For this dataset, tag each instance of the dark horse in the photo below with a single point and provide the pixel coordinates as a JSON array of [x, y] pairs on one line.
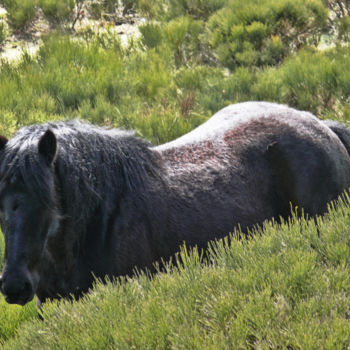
[[79, 201]]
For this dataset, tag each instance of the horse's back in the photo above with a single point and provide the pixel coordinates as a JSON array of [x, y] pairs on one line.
[[308, 163], [231, 118]]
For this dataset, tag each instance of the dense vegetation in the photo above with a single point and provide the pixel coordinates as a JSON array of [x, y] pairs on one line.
[[289, 286], [288, 289]]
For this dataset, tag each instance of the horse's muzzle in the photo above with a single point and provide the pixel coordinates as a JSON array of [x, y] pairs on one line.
[[17, 289]]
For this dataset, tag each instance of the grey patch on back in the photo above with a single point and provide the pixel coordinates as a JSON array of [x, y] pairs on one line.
[[232, 117]]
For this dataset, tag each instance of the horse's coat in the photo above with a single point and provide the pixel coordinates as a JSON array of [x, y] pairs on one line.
[[78, 201]]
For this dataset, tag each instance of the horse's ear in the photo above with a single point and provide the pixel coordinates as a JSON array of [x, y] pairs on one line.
[[48, 146], [3, 142]]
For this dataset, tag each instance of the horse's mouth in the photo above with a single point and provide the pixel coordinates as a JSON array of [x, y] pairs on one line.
[[19, 300]]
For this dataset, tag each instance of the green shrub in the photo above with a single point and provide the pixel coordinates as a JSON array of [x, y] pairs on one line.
[[107, 84], [20, 13], [105, 8], [344, 29], [63, 75], [153, 9], [105, 39], [109, 6], [3, 31], [197, 9], [264, 32], [160, 125], [210, 89], [312, 80], [237, 87], [181, 36], [151, 34], [149, 75], [285, 288], [57, 11], [103, 84], [171, 9]]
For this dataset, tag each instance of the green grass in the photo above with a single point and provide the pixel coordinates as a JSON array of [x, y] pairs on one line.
[[286, 288], [14, 316], [100, 82], [146, 89]]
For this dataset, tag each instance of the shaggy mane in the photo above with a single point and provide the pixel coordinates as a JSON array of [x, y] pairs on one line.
[[92, 163]]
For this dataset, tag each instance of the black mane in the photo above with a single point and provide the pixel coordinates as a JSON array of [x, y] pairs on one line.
[[93, 161]]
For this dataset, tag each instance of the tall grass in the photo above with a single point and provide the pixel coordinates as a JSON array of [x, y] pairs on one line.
[[20, 13], [107, 85], [152, 91], [288, 287]]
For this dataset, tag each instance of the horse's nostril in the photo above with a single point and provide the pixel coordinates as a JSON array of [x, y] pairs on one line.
[[27, 288]]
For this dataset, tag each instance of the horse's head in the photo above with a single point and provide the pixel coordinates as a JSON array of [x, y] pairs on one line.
[[26, 220]]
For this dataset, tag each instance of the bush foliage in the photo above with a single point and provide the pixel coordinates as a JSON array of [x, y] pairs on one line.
[[252, 33], [3, 31], [57, 11], [20, 13], [287, 288], [134, 89]]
